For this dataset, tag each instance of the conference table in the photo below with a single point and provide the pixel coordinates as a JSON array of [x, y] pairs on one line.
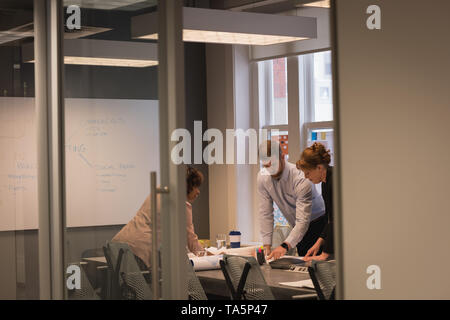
[[214, 284]]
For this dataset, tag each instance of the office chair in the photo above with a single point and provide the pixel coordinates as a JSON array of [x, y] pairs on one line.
[[244, 278], [127, 279], [86, 292], [93, 271], [323, 276], [195, 289]]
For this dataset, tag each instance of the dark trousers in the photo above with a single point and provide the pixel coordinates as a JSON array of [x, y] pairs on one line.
[[312, 234]]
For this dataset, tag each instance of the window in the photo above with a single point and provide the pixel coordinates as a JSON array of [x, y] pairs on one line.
[[278, 219], [274, 109], [315, 91], [315, 109], [279, 109], [273, 94], [282, 137], [323, 105], [324, 136]]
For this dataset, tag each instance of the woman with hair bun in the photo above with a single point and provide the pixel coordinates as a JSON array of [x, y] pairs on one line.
[[315, 164]]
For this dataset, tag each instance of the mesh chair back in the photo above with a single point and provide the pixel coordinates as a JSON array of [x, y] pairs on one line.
[[255, 286], [86, 292], [131, 281], [195, 289], [323, 276], [97, 279]]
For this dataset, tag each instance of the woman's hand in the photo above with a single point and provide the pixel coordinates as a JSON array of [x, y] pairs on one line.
[[315, 248], [322, 257]]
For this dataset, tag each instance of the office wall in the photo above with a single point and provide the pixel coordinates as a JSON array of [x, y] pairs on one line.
[[246, 210], [393, 131], [232, 192], [196, 110], [222, 196]]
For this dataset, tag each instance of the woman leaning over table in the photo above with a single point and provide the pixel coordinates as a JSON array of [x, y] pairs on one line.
[[315, 164], [138, 234]]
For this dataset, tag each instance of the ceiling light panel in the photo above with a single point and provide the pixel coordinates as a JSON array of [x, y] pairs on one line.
[[103, 53], [109, 62], [229, 37], [108, 4], [221, 26], [235, 38], [318, 4]]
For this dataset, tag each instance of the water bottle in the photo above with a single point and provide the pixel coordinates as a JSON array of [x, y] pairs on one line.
[[235, 239]]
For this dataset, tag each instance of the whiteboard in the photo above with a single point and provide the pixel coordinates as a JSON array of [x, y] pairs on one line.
[[111, 145], [18, 184]]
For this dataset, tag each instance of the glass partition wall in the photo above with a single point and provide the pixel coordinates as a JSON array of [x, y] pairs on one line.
[[116, 128], [111, 144], [19, 276], [85, 169]]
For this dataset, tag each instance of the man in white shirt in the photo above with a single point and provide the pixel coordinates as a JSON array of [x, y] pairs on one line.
[[296, 197]]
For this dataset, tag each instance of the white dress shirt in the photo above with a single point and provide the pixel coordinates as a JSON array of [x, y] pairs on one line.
[[297, 199]]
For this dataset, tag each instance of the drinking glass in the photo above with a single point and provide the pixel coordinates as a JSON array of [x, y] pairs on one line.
[[221, 240]]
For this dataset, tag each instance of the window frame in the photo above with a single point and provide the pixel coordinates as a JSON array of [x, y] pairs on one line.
[[307, 109], [300, 100]]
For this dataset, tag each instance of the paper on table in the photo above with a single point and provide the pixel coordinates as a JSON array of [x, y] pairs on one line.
[[244, 251], [252, 244], [206, 262], [215, 251], [191, 255], [293, 257], [299, 284]]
